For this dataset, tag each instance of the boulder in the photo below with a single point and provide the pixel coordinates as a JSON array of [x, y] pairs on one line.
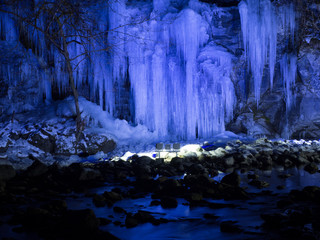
[[232, 179], [99, 200], [311, 168], [230, 227], [80, 223], [131, 222], [229, 161], [88, 174], [168, 202], [96, 143], [259, 184], [36, 169]]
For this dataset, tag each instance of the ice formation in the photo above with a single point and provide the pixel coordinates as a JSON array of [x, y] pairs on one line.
[[164, 53], [259, 30]]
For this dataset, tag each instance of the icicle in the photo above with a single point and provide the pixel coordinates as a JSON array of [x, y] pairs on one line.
[[8, 27], [288, 66], [116, 18], [287, 15], [216, 90], [259, 38], [189, 35]]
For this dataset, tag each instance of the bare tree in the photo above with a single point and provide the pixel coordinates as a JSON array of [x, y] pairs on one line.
[[65, 23]]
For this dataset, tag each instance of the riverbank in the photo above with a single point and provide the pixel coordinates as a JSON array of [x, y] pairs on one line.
[[260, 190]]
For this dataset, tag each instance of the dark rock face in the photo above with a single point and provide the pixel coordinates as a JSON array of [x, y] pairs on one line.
[[223, 3]]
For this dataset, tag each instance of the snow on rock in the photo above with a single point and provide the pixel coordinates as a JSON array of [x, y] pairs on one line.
[[102, 123], [49, 134]]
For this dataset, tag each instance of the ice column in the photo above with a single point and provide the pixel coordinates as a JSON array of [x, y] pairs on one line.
[[189, 35]]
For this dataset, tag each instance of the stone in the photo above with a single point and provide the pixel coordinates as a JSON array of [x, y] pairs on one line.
[[259, 184], [210, 216], [273, 220], [252, 176], [119, 210], [104, 221], [143, 160], [176, 161], [88, 174], [311, 168], [113, 196], [131, 222], [36, 169], [155, 203], [195, 197], [168, 202], [230, 227], [44, 142], [4, 145], [232, 179], [99, 200], [144, 217], [229, 161], [56, 206], [80, 223], [284, 203], [284, 176], [96, 143]]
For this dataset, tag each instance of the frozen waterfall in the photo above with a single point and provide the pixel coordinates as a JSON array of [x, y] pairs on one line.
[[180, 79], [166, 67]]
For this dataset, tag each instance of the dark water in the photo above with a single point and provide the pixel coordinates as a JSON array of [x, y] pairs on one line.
[[189, 222]]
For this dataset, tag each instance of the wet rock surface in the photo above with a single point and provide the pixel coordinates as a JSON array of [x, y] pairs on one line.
[[37, 200]]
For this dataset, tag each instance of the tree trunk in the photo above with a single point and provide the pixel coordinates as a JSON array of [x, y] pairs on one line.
[[66, 55]]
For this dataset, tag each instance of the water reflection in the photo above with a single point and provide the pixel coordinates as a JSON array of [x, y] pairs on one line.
[[189, 223]]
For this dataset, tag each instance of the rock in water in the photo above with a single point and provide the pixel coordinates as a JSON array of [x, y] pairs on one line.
[[232, 179], [229, 227], [311, 168], [169, 202], [36, 169]]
